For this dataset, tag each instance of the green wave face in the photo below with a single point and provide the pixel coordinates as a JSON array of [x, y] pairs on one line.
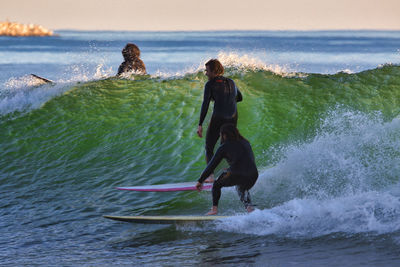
[[128, 132]]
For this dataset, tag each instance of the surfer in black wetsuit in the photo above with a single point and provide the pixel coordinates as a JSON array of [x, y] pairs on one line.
[[132, 61], [242, 171], [225, 94]]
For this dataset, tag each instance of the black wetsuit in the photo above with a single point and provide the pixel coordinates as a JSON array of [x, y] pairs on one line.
[[135, 64], [242, 170], [225, 94]]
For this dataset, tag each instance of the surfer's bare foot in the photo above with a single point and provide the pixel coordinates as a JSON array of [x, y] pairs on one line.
[[250, 209], [210, 179], [213, 211]]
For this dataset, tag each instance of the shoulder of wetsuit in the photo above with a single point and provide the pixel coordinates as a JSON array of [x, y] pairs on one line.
[[230, 81], [122, 68], [228, 143], [222, 148], [208, 83], [219, 79], [246, 144]]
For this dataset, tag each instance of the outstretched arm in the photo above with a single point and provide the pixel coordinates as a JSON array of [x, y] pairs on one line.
[[215, 160], [206, 103]]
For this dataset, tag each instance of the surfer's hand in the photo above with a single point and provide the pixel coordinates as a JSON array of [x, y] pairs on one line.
[[199, 186], [200, 131]]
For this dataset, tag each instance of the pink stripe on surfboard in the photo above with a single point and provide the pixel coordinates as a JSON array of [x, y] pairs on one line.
[[170, 189]]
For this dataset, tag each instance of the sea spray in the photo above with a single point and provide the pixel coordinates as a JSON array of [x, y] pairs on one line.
[[370, 212], [346, 179], [27, 93]]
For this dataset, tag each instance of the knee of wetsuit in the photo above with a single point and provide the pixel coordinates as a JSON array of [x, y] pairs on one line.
[[218, 183]]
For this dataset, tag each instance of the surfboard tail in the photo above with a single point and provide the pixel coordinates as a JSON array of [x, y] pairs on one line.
[[42, 79]]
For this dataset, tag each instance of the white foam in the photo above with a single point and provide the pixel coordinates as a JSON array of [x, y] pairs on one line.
[[20, 98], [27, 93], [352, 153], [308, 218], [233, 62], [247, 62], [345, 179]]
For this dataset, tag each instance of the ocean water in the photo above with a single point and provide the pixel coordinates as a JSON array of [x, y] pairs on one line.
[[321, 110]]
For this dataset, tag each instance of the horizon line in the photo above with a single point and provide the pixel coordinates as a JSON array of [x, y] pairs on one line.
[[231, 30]]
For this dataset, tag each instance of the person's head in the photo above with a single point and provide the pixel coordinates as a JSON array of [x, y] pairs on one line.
[[130, 51], [229, 132], [214, 68]]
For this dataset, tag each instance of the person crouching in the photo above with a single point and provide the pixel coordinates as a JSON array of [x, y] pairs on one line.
[[242, 171]]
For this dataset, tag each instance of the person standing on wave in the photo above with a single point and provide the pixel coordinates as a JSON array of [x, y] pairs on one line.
[[132, 61], [225, 94], [242, 171]]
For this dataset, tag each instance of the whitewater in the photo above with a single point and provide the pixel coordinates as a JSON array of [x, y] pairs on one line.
[[321, 110]]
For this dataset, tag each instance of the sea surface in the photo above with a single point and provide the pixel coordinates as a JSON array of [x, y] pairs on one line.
[[320, 108]]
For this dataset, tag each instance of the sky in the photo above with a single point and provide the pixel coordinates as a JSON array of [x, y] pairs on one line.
[[194, 15]]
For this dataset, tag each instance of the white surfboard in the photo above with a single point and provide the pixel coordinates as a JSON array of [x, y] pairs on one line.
[[165, 219], [188, 186]]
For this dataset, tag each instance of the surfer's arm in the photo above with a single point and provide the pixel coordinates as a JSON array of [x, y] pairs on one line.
[[121, 68], [206, 103], [216, 159], [239, 96]]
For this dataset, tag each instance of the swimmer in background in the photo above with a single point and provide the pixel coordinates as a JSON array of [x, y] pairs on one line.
[[132, 62]]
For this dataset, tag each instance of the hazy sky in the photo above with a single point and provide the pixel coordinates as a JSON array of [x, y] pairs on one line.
[[205, 14]]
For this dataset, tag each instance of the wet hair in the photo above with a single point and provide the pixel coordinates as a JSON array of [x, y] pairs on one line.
[[131, 51], [230, 132], [215, 66]]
